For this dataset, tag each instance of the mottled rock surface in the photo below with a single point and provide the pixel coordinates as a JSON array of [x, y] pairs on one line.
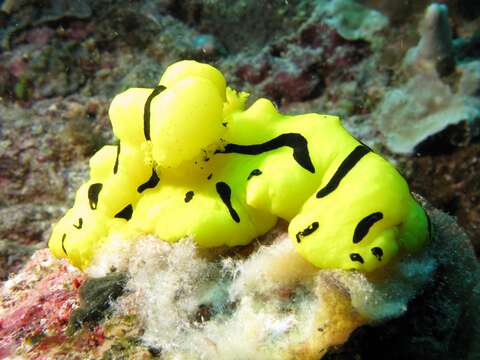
[[441, 322], [262, 300]]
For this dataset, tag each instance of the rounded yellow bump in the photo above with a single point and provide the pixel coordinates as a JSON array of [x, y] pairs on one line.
[[126, 115], [186, 118], [103, 162], [188, 68]]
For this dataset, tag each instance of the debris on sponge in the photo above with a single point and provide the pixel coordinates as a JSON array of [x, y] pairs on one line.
[[266, 301], [271, 304]]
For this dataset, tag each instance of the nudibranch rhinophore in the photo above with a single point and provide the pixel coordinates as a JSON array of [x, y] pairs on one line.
[[192, 161]]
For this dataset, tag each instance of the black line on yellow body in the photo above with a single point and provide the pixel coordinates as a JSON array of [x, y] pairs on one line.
[[115, 167], [377, 252], [364, 225], [225, 194], [356, 257], [429, 224], [63, 244], [189, 196], [307, 231], [80, 223], [146, 111], [150, 183], [205, 157], [125, 213], [347, 164], [361, 142], [255, 172], [209, 176], [296, 141], [93, 192]]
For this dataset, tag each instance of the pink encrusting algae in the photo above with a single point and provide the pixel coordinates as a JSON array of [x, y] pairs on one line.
[[37, 303]]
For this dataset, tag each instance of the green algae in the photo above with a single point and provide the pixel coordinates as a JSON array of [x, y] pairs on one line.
[[23, 89], [122, 348], [96, 296]]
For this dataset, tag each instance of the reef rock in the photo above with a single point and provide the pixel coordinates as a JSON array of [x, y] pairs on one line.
[[24, 14], [262, 301], [352, 20], [424, 106]]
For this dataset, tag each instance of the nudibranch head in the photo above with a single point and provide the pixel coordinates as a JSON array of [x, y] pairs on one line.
[[191, 161], [369, 231]]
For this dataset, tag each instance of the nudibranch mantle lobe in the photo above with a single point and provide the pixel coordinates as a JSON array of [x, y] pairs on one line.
[[193, 161]]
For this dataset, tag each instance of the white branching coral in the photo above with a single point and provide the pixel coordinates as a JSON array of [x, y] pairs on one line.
[[434, 52], [426, 104]]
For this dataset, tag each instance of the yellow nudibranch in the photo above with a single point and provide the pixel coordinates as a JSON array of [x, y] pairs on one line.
[[193, 162]]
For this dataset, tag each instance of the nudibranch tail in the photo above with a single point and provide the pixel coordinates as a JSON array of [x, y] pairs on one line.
[[192, 161]]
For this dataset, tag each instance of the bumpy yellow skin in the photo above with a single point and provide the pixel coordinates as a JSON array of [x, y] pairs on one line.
[[191, 161]]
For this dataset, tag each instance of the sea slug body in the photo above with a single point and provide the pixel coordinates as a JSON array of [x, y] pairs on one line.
[[193, 161]]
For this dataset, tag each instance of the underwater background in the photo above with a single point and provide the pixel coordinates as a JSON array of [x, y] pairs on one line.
[[404, 76]]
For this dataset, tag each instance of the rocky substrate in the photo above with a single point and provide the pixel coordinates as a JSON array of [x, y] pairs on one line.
[[147, 299]]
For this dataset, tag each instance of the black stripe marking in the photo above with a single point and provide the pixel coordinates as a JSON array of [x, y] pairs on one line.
[[115, 167], [361, 142], [356, 257], [307, 231], [429, 224], [225, 193], [146, 111], [205, 156], [189, 196], [377, 252], [125, 213], [150, 184], [362, 228], [209, 176], [80, 223], [296, 141], [63, 244], [93, 192], [255, 172], [347, 164]]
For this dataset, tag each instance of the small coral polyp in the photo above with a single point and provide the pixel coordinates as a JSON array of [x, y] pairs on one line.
[[192, 161]]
